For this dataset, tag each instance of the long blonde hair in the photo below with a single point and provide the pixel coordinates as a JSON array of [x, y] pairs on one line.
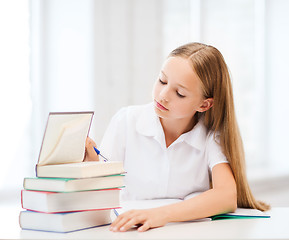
[[210, 66]]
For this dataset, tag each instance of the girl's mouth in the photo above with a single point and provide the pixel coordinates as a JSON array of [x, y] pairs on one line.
[[160, 106]]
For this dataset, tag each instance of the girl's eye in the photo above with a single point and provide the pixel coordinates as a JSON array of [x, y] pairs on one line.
[[162, 82], [180, 95]]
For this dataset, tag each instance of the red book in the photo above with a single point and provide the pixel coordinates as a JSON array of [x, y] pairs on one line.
[[55, 202]]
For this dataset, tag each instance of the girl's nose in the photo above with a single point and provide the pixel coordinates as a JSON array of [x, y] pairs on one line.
[[165, 94]]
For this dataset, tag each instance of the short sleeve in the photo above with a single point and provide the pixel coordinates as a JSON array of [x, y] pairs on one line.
[[113, 142], [214, 152]]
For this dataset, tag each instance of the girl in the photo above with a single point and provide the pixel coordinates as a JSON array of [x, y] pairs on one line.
[[186, 144]]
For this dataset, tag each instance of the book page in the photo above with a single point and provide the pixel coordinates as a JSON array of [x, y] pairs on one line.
[[64, 139], [248, 212]]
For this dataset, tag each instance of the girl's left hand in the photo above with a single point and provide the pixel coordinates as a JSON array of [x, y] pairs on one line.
[[144, 219]]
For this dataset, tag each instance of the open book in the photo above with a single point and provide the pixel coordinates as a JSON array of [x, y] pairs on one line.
[[63, 149], [64, 138]]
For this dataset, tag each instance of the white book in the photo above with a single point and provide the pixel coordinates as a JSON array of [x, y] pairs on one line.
[[63, 222], [80, 170], [53, 202]]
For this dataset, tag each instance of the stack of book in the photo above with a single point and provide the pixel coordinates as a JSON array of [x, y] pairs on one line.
[[68, 194]]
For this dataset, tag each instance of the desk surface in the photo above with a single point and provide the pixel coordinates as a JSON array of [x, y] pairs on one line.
[[276, 227]]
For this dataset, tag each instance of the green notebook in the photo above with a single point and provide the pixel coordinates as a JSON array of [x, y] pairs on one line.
[[241, 213]]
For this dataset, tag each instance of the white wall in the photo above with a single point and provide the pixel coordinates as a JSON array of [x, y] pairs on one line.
[[62, 60], [15, 102], [128, 55], [277, 64]]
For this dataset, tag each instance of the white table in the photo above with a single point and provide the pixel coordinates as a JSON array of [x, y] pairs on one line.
[[276, 227]]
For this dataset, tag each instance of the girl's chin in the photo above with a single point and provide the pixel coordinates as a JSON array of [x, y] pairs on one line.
[[161, 113]]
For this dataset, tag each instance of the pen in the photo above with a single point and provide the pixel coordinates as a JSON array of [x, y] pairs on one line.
[[98, 153], [116, 212]]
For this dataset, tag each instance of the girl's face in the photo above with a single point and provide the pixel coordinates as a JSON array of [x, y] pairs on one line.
[[177, 93]]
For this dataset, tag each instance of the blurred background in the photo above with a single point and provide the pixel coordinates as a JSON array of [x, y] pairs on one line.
[[101, 55]]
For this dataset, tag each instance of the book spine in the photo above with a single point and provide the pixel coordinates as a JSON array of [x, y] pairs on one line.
[[22, 198], [19, 220]]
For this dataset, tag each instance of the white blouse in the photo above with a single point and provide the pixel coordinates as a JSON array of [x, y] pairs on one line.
[[135, 136]]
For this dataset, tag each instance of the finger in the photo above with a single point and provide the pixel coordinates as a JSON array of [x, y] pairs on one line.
[[90, 150], [113, 224], [90, 142], [118, 223], [132, 222], [122, 219], [144, 227], [118, 220]]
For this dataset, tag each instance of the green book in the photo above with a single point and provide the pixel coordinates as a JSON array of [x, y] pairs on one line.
[[241, 213], [73, 184]]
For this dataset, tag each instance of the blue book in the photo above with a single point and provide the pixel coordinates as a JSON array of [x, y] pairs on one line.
[[63, 222]]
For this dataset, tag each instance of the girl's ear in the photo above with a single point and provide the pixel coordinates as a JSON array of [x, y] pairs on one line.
[[206, 105]]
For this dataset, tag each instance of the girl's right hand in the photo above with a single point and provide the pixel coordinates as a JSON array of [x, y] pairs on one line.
[[90, 154]]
